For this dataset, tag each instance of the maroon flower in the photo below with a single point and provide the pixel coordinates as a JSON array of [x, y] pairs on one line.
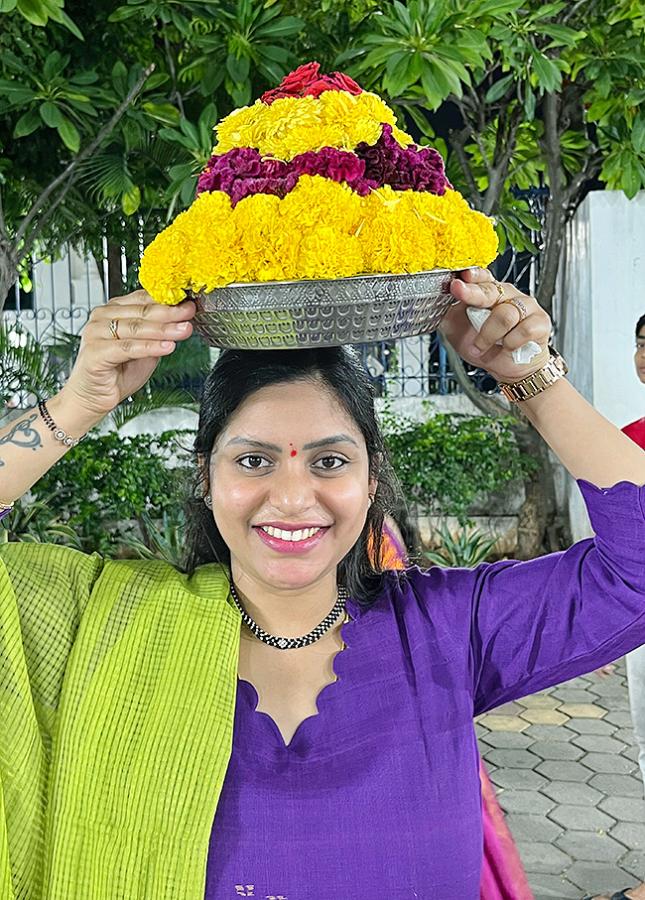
[[409, 168]]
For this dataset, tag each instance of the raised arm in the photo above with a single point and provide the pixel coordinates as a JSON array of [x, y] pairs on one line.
[[588, 445]]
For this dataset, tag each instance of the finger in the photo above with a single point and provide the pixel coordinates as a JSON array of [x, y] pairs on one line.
[[136, 327], [484, 293], [503, 318], [536, 327], [115, 353], [156, 312], [476, 275]]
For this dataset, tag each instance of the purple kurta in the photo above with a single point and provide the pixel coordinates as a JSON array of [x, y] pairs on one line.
[[378, 796]]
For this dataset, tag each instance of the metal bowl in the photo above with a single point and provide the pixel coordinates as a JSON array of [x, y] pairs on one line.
[[279, 315]]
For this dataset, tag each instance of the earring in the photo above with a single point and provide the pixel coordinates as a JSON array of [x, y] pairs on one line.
[[208, 500], [371, 496]]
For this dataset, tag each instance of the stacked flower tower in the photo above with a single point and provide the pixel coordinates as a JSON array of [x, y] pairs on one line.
[[315, 181]]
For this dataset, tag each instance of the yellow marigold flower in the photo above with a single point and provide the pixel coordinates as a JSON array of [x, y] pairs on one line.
[[294, 125], [321, 229]]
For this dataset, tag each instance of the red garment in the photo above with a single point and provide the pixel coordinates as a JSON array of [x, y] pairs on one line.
[[636, 431]]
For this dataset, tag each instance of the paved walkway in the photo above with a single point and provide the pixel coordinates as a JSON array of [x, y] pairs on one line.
[[564, 763]]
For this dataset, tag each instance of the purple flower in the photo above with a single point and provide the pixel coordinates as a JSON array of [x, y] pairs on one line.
[[404, 169]]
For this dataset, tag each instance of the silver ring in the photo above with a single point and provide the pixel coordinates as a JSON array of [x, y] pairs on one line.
[[519, 305], [114, 329]]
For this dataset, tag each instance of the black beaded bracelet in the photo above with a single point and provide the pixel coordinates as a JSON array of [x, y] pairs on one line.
[[58, 433]]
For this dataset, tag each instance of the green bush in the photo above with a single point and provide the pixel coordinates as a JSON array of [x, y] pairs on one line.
[[448, 461], [110, 479]]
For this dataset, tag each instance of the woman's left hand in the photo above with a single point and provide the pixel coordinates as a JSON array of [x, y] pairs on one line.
[[477, 287]]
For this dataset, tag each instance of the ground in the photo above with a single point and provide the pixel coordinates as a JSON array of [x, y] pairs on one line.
[[564, 764]]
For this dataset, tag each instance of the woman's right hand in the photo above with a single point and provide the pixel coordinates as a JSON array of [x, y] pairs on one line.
[[106, 370]]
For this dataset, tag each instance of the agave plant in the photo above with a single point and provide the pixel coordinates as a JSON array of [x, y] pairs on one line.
[[25, 365], [464, 550], [164, 542], [37, 522]]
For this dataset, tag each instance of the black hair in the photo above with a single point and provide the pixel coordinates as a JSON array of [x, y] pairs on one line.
[[640, 324], [338, 370]]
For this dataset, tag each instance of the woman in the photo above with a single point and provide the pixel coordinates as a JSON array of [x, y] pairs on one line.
[[193, 758]]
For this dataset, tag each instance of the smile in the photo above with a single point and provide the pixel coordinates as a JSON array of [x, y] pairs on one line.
[[290, 541]]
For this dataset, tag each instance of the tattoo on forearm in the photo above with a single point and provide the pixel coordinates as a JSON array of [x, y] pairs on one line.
[[22, 435]]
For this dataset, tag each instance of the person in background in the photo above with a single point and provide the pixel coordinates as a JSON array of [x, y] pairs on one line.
[[503, 876], [635, 660]]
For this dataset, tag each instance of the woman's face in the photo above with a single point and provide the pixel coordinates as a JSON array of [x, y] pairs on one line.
[[290, 458]]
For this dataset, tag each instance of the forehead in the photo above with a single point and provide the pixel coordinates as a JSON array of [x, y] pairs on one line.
[[291, 412]]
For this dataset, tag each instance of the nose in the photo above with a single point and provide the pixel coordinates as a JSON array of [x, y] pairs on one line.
[[293, 490]]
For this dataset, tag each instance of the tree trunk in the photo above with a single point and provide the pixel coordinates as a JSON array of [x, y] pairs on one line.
[[8, 270], [535, 532]]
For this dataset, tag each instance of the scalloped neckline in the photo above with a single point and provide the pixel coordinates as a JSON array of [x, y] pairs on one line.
[[339, 661]]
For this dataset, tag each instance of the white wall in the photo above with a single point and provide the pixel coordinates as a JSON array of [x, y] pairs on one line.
[[601, 295]]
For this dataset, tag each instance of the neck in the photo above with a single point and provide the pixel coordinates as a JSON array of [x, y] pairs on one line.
[[286, 612]]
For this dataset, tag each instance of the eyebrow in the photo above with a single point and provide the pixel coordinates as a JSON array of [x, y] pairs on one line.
[[323, 442]]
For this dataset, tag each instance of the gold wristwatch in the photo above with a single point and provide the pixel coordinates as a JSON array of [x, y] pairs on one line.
[[539, 381]]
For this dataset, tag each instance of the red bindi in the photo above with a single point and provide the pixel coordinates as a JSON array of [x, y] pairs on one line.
[[293, 452]]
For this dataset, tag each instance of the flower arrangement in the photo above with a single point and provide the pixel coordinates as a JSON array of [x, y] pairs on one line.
[[315, 180]]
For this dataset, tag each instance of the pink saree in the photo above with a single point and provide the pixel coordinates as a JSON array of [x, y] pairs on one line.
[[503, 876]]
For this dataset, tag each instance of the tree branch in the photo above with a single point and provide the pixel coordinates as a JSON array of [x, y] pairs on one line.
[[173, 74], [474, 133], [457, 140], [487, 404], [71, 169]]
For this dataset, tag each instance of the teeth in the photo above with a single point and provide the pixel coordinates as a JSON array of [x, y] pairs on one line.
[[300, 535]]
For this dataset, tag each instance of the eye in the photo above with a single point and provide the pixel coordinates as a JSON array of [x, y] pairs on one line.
[[332, 458], [252, 457]]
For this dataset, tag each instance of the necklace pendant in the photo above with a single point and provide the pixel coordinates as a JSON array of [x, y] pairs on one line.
[[282, 643]]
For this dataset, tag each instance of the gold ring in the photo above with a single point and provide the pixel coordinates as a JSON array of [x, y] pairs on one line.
[[500, 291], [114, 329], [519, 305]]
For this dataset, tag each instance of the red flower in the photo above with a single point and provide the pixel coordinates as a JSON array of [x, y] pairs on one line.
[[306, 81]]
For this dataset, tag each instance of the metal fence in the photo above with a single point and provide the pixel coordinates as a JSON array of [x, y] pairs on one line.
[[62, 293]]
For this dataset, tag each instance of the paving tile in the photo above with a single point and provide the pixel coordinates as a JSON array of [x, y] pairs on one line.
[[609, 687], [634, 863], [626, 735], [572, 792], [539, 856], [624, 809], [541, 716], [552, 887], [556, 750], [504, 723], [480, 730], [612, 763], [534, 828], [550, 733], [589, 846], [539, 701], [591, 726], [509, 709], [617, 785], [507, 740], [582, 711], [632, 753], [573, 695], [563, 770], [513, 759], [599, 743], [581, 818], [631, 834], [532, 802], [598, 877], [518, 779], [620, 717]]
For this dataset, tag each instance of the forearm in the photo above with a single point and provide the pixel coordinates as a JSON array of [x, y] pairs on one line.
[[588, 445], [28, 449]]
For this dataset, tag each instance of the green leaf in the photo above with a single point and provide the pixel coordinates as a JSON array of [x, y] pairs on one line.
[[7, 5], [638, 133], [131, 200], [238, 68], [120, 77], [162, 112], [286, 26], [50, 114], [499, 88], [496, 7], [69, 135], [27, 123], [33, 11], [71, 25], [123, 13], [549, 75]]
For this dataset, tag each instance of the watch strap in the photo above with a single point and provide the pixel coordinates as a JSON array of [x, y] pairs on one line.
[[555, 369]]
